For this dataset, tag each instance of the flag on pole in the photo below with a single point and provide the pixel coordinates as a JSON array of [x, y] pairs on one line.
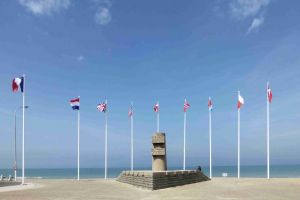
[[186, 105], [130, 112], [240, 101], [270, 95], [210, 106], [269, 100], [156, 107], [75, 103], [102, 107], [18, 83]]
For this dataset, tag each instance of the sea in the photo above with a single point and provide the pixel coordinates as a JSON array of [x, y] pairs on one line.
[[276, 171]]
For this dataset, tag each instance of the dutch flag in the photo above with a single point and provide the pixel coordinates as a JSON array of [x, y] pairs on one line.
[[75, 103]]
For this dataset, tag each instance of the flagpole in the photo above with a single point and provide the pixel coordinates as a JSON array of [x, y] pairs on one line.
[[210, 166], [158, 118], [105, 167], [184, 133], [268, 134], [238, 139], [23, 134], [78, 145], [131, 126]]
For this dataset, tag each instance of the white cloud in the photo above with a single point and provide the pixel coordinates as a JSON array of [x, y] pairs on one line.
[[106, 3], [80, 58], [102, 16], [244, 8], [256, 23], [45, 7]]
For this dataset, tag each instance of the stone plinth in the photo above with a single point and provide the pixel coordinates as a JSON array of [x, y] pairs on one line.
[[163, 179], [159, 154], [9, 183]]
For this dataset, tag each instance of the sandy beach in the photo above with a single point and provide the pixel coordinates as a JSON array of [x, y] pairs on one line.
[[218, 188]]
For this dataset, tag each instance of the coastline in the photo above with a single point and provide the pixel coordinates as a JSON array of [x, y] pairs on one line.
[[218, 188], [252, 171]]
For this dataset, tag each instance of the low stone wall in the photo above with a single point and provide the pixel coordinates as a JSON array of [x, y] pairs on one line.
[[162, 179], [9, 183]]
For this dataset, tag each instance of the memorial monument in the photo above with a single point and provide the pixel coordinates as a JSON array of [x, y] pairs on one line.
[[160, 177]]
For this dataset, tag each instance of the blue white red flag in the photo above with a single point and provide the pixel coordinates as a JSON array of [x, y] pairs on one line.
[[75, 103], [18, 83]]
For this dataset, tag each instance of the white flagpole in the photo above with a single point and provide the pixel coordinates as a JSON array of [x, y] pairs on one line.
[[157, 130], [105, 167], [78, 145], [210, 166], [131, 126], [23, 130], [184, 132], [268, 134], [238, 139]]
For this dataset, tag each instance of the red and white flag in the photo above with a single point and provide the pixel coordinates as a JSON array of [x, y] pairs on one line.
[[156, 107], [270, 95], [240, 101], [186, 105]]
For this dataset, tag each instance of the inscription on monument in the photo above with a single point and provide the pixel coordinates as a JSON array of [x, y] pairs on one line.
[[158, 151], [158, 139]]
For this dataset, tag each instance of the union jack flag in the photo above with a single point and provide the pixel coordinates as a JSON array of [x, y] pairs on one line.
[[102, 107], [186, 105]]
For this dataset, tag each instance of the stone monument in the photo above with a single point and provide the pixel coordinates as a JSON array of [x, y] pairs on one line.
[[159, 153], [160, 177]]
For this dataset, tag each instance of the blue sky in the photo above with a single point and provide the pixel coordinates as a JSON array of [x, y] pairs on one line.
[[144, 51]]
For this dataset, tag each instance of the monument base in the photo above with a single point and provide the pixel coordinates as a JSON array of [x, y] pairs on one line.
[[9, 183], [155, 180]]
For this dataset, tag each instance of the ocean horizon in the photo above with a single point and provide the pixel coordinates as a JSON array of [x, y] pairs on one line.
[[259, 171]]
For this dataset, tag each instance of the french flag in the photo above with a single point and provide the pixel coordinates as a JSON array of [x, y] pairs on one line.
[[18, 83], [75, 103]]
